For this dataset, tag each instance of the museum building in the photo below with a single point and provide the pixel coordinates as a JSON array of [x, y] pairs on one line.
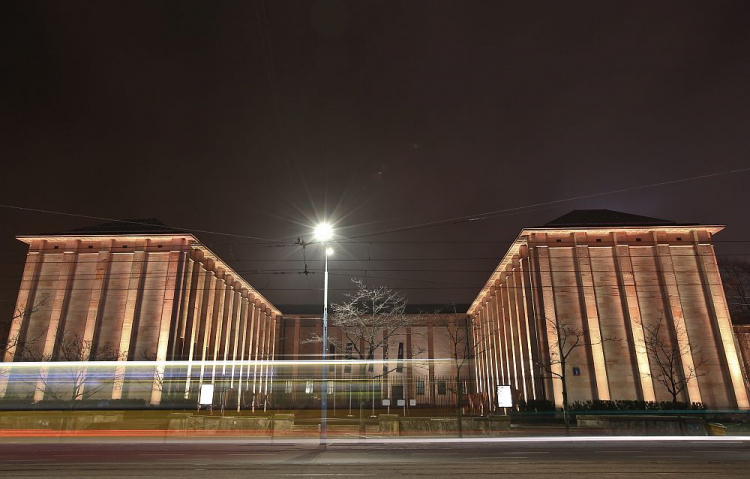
[[160, 296], [607, 280]]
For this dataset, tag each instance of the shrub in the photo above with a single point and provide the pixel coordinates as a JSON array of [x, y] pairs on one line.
[[634, 405], [536, 405]]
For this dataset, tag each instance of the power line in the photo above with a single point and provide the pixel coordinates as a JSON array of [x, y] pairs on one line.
[[103, 218], [520, 209]]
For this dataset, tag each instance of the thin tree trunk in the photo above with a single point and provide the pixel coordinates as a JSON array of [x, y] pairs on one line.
[[459, 412]]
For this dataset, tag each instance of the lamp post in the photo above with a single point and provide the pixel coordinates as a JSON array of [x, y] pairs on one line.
[[324, 233]]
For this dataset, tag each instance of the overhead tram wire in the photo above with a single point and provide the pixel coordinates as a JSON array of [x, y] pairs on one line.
[[103, 218], [523, 209]]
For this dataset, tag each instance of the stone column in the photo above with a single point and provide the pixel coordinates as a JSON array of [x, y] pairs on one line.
[[206, 325], [132, 309], [256, 348], [55, 330], [240, 352], [524, 349], [183, 300], [217, 322], [632, 313], [526, 310], [591, 318], [166, 317], [234, 331], [550, 321], [487, 354], [510, 335], [495, 318], [25, 306], [518, 333], [719, 311], [194, 321], [491, 366], [674, 313]]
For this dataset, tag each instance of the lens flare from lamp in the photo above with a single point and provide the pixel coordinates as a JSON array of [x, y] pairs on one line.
[[323, 232]]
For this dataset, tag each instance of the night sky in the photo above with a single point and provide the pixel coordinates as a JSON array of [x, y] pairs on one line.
[[257, 119]]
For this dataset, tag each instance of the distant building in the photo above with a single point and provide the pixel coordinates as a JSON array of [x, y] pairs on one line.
[[607, 274], [419, 364]]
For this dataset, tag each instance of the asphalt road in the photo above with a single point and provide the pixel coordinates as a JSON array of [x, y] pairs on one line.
[[578, 458]]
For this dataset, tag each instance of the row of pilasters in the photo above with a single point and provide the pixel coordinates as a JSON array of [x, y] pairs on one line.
[[204, 314], [226, 325], [676, 286], [504, 334]]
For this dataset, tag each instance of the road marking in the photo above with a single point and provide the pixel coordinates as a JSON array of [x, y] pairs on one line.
[[527, 452], [161, 454], [251, 454], [627, 452]]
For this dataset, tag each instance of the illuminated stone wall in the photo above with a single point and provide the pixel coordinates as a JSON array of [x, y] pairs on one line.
[[608, 282], [156, 298]]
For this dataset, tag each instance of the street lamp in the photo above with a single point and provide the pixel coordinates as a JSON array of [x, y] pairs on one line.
[[324, 233]]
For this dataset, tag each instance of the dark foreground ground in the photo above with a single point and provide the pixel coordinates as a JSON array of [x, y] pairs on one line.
[[229, 458]]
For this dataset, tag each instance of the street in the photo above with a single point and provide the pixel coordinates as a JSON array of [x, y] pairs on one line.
[[583, 457]]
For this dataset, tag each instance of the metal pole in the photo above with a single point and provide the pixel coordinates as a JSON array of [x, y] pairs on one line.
[[324, 400]]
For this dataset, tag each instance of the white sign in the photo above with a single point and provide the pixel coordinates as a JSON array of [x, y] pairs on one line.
[[207, 395], [400, 402], [504, 396], [412, 402], [386, 402]]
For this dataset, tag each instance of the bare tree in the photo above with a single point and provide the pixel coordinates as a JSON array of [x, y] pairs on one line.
[[568, 339], [736, 279], [77, 379], [369, 319], [462, 353], [666, 349], [18, 341]]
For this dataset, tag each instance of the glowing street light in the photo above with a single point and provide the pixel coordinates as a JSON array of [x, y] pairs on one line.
[[324, 233]]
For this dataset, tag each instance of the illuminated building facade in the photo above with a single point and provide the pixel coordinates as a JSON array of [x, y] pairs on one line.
[[148, 293], [420, 363], [159, 297], [612, 276]]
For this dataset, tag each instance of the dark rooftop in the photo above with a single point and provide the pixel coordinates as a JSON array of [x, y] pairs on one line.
[[594, 218], [129, 226]]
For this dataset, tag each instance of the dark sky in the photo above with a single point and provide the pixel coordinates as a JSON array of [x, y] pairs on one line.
[[257, 118]]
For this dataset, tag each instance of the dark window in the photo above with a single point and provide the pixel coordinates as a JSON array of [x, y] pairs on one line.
[[56, 247], [598, 240], [400, 364], [679, 238], [558, 240], [420, 387], [637, 239], [441, 388], [349, 350], [90, 246]]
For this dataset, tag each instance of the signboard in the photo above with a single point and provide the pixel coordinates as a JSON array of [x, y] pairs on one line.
[[412, 402], [386, 402], [400, 402], [504, 396], [207, 395]]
